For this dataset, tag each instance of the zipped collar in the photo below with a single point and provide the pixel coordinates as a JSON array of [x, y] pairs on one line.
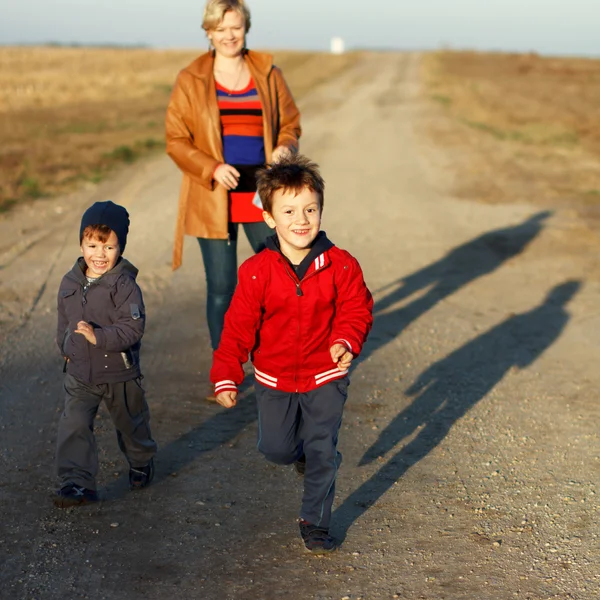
[[77, 273], [315, 257]]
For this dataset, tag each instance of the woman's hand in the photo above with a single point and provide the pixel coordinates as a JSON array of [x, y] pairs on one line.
[[227, 176], [279, 153]]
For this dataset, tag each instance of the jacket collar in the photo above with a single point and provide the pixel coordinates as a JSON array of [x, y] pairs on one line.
[[259, 63], [316, 259]]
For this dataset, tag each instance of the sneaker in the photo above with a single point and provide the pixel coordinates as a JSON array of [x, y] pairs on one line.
[[300, 466], [140, 477], [316, 539], [74, 495]]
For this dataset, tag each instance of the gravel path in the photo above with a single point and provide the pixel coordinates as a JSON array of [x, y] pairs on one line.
[[470, 442]]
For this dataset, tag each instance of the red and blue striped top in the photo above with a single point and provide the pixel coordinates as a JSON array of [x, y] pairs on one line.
[[243, 147]]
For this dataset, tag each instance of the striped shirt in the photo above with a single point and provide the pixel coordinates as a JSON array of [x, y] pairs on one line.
[[243, 147]]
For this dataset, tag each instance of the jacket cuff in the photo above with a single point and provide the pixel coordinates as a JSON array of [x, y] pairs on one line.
[[345, 342], [100, 338], [227, 385]]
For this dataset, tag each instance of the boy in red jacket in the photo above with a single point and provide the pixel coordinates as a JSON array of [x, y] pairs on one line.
[[302, 312]]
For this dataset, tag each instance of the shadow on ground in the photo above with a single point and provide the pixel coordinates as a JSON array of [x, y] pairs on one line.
[[449, 388], [462, 265]]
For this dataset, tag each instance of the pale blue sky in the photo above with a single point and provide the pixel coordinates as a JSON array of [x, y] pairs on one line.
[[545, 26]]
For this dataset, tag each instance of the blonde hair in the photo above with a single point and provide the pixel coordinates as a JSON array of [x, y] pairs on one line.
[[215, 10]]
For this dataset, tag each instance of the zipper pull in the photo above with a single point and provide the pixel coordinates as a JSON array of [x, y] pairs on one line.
[[299, 290]]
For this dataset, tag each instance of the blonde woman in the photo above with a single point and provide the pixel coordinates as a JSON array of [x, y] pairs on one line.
[[230, 113]]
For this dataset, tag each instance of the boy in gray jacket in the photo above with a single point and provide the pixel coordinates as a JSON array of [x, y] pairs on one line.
[[101, 320]]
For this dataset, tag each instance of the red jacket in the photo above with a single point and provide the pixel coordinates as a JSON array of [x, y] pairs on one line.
[[288, 325]]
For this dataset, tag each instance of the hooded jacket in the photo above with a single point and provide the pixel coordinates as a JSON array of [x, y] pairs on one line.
[[194, 141], [114, 306], [287, 319]]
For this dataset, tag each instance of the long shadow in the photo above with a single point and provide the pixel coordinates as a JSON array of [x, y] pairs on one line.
[[449, 388], [462, 265], [216, 431]]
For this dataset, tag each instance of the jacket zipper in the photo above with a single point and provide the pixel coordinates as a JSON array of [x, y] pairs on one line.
[[299, 294], [84, 302]]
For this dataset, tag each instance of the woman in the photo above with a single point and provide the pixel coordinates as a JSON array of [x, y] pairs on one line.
[[230, 112]]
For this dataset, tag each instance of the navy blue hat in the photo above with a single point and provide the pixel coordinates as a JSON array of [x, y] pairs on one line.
[[110, 214]]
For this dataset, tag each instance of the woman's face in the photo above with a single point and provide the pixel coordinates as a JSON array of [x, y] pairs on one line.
[[228, 36]]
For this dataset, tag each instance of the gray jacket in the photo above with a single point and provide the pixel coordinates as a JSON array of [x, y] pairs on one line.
[[114, 306]]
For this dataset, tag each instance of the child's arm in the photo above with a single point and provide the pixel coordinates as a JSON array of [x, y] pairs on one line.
[[353, 317], [238, 337], [61, 327], [128, 328]]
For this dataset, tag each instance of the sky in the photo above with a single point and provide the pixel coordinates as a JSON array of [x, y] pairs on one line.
[[558, 27]]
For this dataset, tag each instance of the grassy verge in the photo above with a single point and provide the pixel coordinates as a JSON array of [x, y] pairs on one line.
[[527, 123]]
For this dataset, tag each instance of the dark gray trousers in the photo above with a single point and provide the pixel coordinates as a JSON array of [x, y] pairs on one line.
[[292, 424], [76, 452]]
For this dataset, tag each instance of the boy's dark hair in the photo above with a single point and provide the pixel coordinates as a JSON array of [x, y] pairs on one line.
[[293, 173], [97, 232]]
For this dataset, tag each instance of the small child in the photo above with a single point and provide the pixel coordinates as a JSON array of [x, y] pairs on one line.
[[101, 320], [300, 305]]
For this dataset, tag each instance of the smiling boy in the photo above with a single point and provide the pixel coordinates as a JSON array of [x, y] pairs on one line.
[[302, 312], [101, 320]]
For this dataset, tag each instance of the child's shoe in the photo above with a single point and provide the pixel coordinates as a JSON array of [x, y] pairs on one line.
[[316, 539], [74, 495], [140, 477], [300, 466]]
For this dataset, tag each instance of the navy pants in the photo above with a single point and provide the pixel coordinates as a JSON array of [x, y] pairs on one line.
[[293, 424], [76, 452], [220, 266]]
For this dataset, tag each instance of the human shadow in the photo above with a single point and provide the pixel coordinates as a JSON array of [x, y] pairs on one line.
[[449, 388], [216, 431], [213, 433], [462, 265]]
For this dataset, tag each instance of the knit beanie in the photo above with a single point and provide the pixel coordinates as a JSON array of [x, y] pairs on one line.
[[110, 214]]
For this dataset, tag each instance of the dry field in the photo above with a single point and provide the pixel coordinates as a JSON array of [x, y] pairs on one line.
[[70, 115], [521, 127]]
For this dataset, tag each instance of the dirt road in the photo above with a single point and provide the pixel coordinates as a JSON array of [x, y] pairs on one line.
[[470, 442]]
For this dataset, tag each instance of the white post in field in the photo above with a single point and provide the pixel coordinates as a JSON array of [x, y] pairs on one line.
[[337, 45]]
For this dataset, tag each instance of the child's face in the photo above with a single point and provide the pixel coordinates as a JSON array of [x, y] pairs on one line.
[[100, 257], [296, 220]]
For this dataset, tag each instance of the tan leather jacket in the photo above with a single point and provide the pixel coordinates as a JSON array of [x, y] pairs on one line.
[[194, 142]]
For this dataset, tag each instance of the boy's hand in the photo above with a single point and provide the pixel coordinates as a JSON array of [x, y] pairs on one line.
[[342, 356], [227, 399], [87, 331]]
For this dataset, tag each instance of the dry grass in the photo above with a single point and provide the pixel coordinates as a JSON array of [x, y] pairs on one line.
[[522, 127], [70, 115]]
